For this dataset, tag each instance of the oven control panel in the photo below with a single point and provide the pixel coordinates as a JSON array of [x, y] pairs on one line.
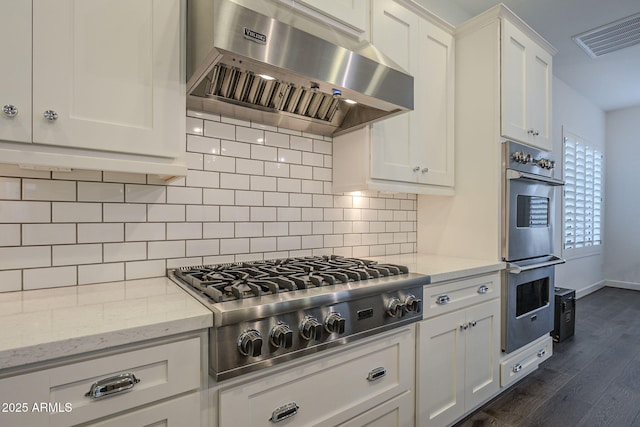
[[523, 158], [251, 345]]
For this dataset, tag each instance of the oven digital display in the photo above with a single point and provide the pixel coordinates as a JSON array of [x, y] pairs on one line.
[[531, 296], [532, 211]]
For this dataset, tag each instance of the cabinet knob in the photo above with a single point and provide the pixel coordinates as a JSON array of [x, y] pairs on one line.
[[10, 110], [50, 115], [416, 169], [424, 170], [464, 326]]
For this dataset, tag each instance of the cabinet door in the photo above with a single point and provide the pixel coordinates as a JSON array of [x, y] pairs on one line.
[[482, 353], [526, 88], [441, 366], [395, 32], [111, 70], [15, 60], [433, 138], [353, 13]]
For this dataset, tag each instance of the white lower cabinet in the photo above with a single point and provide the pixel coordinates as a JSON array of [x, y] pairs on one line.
[[520, 363], [368, 383], [458, 354], [169, 375]]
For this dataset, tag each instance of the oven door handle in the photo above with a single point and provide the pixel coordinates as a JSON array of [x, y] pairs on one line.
[[514, 268], [514, 174]]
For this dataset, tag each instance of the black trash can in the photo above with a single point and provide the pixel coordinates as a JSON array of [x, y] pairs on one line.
[[565, 314]]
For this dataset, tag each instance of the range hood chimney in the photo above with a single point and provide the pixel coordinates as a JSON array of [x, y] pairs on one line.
[[246, 65]]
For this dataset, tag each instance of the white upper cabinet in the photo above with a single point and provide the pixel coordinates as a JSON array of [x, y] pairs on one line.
[[15, 82], [526, 88], [412, 152], [105, 88]]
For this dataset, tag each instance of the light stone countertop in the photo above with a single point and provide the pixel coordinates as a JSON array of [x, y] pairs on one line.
[[442, 268], [46, 324]]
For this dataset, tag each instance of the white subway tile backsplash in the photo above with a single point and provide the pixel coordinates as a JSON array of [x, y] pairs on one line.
[[202, 179], [234, 246], [184, 195], [77, 254], [10, 280], [218, 197], [76, 212], [203, 213], [251, 192], [289, 156], [204, 247], [166, 213], [10, 188], [276, 139], [45, 234], [100, 232], [12, 258], [234, 181], [142, 269], [219, 130], [262, 152], [260, 214], [184, 230], [114, 252], [234, 213], [100, 192], [301, 143], [145, 193], [166, 249], [100, 273], [139, 231], [217, 230], [44, 189], [235, 149], [251, 135], [10, 234], [121, 212], [276, 169], [200, 144], [40, 278]]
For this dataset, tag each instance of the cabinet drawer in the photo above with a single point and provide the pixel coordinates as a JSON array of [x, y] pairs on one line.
[[447, 297], [328, 391], [525, 361], [163, 370], [180, 412], [397, 412]]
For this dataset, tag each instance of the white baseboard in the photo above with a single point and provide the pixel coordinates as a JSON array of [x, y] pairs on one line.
[[590, 289], [623, 285]]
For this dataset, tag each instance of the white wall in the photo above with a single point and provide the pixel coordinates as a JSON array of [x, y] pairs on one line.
[[622, 199], [578, 115]]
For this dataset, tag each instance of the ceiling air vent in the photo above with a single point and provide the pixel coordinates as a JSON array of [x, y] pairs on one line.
[[611, 37]]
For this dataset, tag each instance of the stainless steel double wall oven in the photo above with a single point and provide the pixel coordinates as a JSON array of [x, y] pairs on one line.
[[528, 217]]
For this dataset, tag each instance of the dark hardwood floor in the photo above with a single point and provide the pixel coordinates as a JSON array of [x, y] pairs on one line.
[[592, 379]]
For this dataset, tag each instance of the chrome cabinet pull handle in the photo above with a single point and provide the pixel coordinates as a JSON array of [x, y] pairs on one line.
[[50, 115], [517, 368], [377, 373], [284, 412], [542, 353], [443, 299], [10, 110], [112, 385], [483, 289]]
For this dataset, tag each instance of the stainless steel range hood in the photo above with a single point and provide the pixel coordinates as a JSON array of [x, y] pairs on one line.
[[245, 65]]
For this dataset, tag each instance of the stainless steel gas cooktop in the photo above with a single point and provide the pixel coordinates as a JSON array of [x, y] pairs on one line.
[[267, 312]]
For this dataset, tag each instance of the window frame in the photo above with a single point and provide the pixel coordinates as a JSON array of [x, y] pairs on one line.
[[593, 249]]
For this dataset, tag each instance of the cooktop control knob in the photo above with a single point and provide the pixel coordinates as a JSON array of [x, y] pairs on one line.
[[395, 308], [250, 343], [334, 322], [518, 156], [310, 328], [281, 336], [411, 303]]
